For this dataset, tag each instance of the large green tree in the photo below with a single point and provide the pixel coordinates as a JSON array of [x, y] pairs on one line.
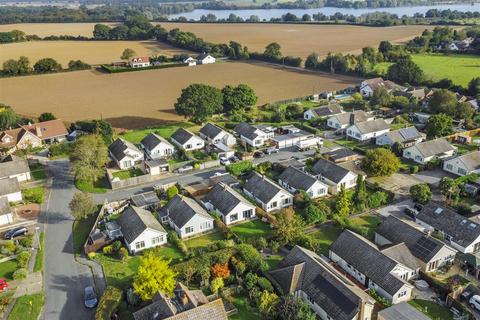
[[421, 193], [342, 203], [8, 117], [443, 101], [288, 227], [273, 51], [439, 125], [381, 97], [47, 65], [82, 205], [101, 31], [474, 87], [237, 98], [380, 162], [360, 196], [46, 116], [199, 101], [312, 61], [405, 71], [127, 54], [89, 157]]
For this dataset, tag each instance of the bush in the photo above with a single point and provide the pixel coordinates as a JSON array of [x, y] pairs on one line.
[[108, 303], [377, 199], [107, 250], [172, 192], [216, 284], [8, 247], [116, 246], [34, 195], [91, 255], [240, 167], [20, 274], [123, 254], [173, 238], [264, 284], [23, 258], [26, 242], [414, 169], [60, 149]]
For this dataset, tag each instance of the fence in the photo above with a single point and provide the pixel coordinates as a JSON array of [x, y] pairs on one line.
[[209, 164], [130, 182]]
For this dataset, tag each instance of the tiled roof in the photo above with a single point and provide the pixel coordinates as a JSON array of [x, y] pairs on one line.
[[246, 130], [329, 170], [224, 198], [13, 167], [328, 110], [262, 187], [359, 116], [471, 160], [182, 209], [404, 134], [297, 179], [119, 146], [401, 311], [372, 126], [9, 186], [133, 221], [433, 147], [182, 135], [339, 154], [400, 253], [211, 130], [152, 140]]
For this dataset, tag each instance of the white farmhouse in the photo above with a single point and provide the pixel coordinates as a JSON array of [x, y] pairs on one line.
[[215, 135], [294, 180], [269, 195], [463, 165], [190, 61], [344, 120], [251, 135], [186, 217], [125, 154], [139, 62], [187, 140], [10, 188], [427, 151], [334, 175], [229, 204], [205, 58], [367, 130], [141, 230], [156, 147]]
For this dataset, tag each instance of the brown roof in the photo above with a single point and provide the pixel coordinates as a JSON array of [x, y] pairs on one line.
[[48, 129]]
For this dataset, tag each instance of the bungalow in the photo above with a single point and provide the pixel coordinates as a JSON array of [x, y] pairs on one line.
[[367, 87], [156, 166], [213, 134], [346, 119], [15, 167], [427, 151], [146, 200], [367, 130], [229, 204], [157, 147], [269, 195], [6, 215], [190, 61], [205, 58], [362, 260], [430, 252], [10, 188], [459, 232], [141, 230], [334, 175], [139, 62], [254, 136], [406, 137], [322, 111], [292, 136], [125, 154], [187, 140], [186, 217], [401, 311], [340, 155], [474, 103], [294, 180], [463, 165], [330, 294]]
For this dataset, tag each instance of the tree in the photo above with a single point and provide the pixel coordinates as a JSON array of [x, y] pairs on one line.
[[101, 31], [360, 196], [217, 284], [14, 67], [267, 303], [78, 65], [172, 192], [47, 65], [293, 308], [312, 61], [464, 110], [127, 54], [288, 227], [237, 98], [421, 193], [450, 189], [342, 204], [220, 270], [154, 274], [46, 116], [82, 205], [316, 213], [474, 87], [384, 47], [8, 117], [199, 101], [439, 125], [89, 157], [380, 162], [273, 51], [381, 97], [443, 101], [405, 71]]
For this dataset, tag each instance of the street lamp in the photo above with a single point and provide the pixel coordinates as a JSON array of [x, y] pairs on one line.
[[38, 238]]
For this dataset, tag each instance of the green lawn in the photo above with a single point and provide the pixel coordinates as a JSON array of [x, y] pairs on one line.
[[38, 172], [252, 229], [7, 269], [170, 252], [165, 131], [273, 261], [81, 229], [369, 221], [465, 148], [39, 258], [245, 311], [431, 309], [100, 186], [130, 173], [204, 241], [34, 195], [327, 235], [27, 307]]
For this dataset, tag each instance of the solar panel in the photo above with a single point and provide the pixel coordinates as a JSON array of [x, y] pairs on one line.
[[438, 210], [424, 247], [334, 294], [409, 133]]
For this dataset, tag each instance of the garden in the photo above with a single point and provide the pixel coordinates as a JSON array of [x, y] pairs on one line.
[[126, 174], [165, 131]]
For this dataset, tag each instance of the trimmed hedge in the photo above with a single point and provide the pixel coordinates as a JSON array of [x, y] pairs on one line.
[[111, 69], [109, 302]]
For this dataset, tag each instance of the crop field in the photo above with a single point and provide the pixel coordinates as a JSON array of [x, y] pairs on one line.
[[53, 29], [92, 52], [138, 99]]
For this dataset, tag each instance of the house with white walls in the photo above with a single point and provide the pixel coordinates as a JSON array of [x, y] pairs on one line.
[[367, 130], [334, 175], [269, 195], [254, 136], [464, 164], [157, 147], [10, 188], [187, 140], [406, 137], [125, 154], [342, 121], [295, 180], [430, 150], [322, 111], [213, 134]]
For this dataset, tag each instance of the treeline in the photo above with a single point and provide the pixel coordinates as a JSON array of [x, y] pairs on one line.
[[12, 67], [431, 41]]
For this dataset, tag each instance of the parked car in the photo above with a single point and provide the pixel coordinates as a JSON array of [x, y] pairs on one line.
[[184, 169], [224, 161], [418, 207], [90, 297], [258, 154], [271, 150], [410, 212], [475, 302], [16, 232], [3, 284], [233, 159]]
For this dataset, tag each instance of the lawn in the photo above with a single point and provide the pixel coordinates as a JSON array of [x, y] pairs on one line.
[[34, 195], [273, 261], [368, 221], [252, 229], [135, 136], [100, 186], [38, 172], [81, 229], [7, 269], [39, 258], [27, 307], [431, 309], [126, 174], [465, 148], [327, 235], [204, 241], [350, 143], [245, 311]]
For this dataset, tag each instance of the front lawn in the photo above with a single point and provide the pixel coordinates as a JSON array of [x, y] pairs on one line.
[[326, 236], [27, 307], [7, 269], [368, 221], [205, 240], [34, 195], [465, 148], [38, 172], [100, 186], [135, 136], [432, 309], [81, 229], [273, 261], [245, 311], [252, 229], [126, 174]]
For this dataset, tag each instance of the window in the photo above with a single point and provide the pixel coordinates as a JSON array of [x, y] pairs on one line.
[[286, 201], [247, 213], [188, 230], [205, 225], [402, 294], [140, 245], [127, 163], [157, 240], [274, 204], [233, 217], [449, 166], [188, 146], [462, 171]]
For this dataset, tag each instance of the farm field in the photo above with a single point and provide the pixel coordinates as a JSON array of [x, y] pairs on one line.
[[92, 52], [146, 98], [53, 29]]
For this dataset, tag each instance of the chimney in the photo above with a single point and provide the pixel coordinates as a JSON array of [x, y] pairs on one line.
[[352, 118], [38, 131]]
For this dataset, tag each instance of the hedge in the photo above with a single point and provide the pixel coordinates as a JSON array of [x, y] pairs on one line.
[[109, 302], [111, 69]]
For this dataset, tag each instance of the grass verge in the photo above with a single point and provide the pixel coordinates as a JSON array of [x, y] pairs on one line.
[[431, 309], [27, 307], [39, 258], [100, 186], [34, 195], [130, 173]]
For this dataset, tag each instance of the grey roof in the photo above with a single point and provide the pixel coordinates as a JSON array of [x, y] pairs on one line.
[[297, 179], [366, 258], [340, 153], [13, 167], [359, 116], [261, 187], [462, 230], [421, 245], [246, 130], [152, 140], [433, 147], [4, 206], [182, 135], [9, 186], [328, 110], [404, 134], [145, 199], [118, 147], [304, 270], [202, 56], [211, 130], [224, 198], [372, 126], [133, 221], [227, 179], [182, 209], [400, 253], [329, 170], [471, 160], [401, 311]]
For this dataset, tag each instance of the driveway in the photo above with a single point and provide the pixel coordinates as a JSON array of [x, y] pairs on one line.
[[65, 279], [395, 209], [433, 177], [398, 183]]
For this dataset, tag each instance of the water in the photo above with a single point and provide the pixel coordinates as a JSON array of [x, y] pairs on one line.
[[267, 14]]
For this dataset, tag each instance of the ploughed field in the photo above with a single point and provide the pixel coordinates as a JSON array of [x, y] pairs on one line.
[[139, 99]]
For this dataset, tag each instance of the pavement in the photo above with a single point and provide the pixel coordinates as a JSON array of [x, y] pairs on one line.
[[64, 277], [30, 285]]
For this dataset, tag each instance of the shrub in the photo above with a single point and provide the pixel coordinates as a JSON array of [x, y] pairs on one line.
[[108, 303], [107, 249], [34, 195], [240, 167], [414, 169], [8, 247], [377, 199], [116, 246], [20, 274], [220, 270], [216, 284], [264, 284], [23, 258], [91, 255], [173, 237], [26, 242], [123, 254], [172, 192], [274, 245]]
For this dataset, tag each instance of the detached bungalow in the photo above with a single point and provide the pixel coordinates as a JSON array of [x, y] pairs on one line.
[[367, 130], [294, 180], [139, 62], [229, 204], [10, 188], [362, 260], [15, 167], [157, 147], [215, 135], [464, 164], [406, 137], [344, 120], [186, 216], [141, 230], [341, 155], [322, 111], [269, 195], [6, 215], [334, 175], [187, 140], [427, 151], [125, 154], [367, 87], [205, 58], [251, 135]]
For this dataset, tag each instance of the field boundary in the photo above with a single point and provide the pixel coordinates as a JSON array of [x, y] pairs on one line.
[[110, 69]]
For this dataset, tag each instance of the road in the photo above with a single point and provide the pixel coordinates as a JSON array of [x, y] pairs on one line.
[[64, 278]]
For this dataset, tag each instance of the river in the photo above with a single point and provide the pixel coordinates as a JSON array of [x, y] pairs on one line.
[[267, 14]]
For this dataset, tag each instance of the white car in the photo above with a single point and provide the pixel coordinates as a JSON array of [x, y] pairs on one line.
[[224, 161], [475, 302], [184, 169]]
